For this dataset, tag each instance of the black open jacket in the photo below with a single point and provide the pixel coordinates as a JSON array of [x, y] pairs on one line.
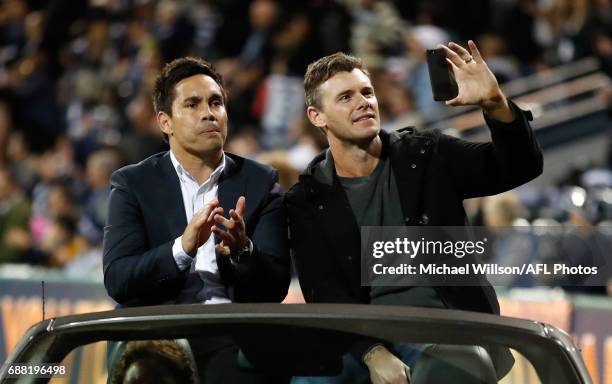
[[434, 173]]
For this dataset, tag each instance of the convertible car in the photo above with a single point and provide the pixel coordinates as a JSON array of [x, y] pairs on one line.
[[303, 340]]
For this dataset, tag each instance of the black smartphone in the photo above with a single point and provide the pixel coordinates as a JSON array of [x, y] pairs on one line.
[[443, 83]]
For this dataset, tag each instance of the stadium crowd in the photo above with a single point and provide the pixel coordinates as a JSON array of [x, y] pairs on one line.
[[76, 80]]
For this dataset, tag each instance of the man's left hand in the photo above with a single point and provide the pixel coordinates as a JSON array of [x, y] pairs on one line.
[[477, 84], [233, 238]]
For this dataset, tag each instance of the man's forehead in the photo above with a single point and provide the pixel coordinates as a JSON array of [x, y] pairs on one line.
[[345, 79], [197, 85]]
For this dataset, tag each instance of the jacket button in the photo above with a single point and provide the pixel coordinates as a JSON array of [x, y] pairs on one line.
[[425, 219], [321, 206], [413, 165], [422, 151], [406, 220], [350, 258]]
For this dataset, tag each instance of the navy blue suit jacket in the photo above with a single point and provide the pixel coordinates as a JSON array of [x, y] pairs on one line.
[[146, 215]]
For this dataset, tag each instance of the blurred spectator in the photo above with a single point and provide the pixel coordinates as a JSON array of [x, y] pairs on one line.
[[493, 51], [331, 24], [518, 31], [376, 30], [281, 94], [583, 244], [309, 142], [416, 78], [62, 242], [5, 130], [100, 165], [206, 19], [21, 161], [279, 160], [243, 73], [598, 29], [502, 210], [244, 143], [12, 26], [174, 30], [511, 246], [14, 218], [396, 105], [23, 72], [144, 138], [75, 79], [561, 29], [153, 361], [53, 227], [52, 166]]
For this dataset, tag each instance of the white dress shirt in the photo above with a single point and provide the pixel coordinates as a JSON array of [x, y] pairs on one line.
[[195, 197]]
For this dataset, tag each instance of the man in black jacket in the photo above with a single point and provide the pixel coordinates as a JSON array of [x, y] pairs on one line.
[[372, 178]]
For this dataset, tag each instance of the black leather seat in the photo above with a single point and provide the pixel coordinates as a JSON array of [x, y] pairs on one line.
[[456, 364]]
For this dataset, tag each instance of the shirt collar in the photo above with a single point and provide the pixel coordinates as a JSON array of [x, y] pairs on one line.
[[182, 172]]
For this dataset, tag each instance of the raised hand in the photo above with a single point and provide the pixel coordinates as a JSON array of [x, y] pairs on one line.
[[477, 84]]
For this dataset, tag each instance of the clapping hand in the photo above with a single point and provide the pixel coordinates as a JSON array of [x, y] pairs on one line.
[[199, 228], [233, 238]]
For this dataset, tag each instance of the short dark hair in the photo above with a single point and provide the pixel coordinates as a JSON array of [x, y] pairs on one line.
[[321, 70], [165, 354], [174, 72]]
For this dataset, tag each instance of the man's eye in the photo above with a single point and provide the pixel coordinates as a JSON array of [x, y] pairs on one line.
[[191, 105], [345, 98], [217, 103]]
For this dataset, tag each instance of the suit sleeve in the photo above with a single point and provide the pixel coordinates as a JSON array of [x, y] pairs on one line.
[[512, 158], [133, 272], [265, 275]]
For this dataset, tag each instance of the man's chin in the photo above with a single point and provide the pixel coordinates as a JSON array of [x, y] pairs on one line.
[[211, 149], [371, 134], [365, 141]]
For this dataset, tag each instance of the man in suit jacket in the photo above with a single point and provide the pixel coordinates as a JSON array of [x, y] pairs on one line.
[[408, 177], [195, 224]]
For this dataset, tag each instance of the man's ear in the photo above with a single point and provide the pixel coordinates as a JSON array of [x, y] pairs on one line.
[[316, 117], [165, 122]]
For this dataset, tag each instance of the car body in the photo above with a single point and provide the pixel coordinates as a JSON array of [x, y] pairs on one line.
[[550, 350]]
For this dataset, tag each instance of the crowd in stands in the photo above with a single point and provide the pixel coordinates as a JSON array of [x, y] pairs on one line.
[[569, 223], [76, 82]]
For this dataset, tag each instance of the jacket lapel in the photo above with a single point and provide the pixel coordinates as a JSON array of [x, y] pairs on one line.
[[170, 197], [231, 187]]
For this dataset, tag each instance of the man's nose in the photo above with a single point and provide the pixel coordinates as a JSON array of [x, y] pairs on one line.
[[364, 102], [206, 112]]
